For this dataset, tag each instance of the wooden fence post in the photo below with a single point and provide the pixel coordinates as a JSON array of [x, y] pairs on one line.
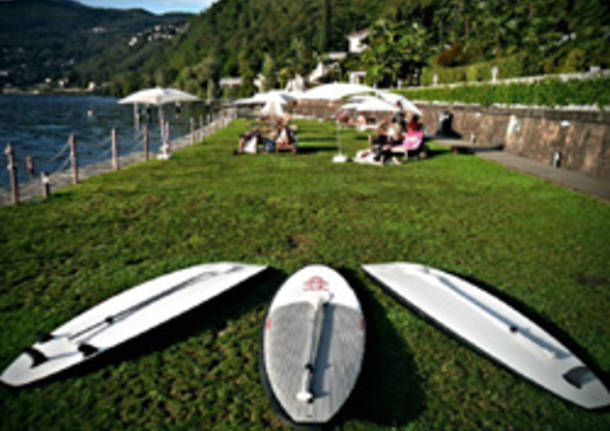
[[115, 151], [29, 164], [192, 131], [46, 185], [12, 171], [168, 130], [201, 127], [146, 142], [74, 159]]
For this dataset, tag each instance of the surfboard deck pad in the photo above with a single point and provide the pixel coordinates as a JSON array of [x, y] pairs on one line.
[[338, 327]]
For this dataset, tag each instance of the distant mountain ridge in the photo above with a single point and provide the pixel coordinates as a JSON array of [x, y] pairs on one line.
[[48, 39]]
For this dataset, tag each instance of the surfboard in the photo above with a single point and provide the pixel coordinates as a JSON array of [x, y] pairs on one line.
[[123, 317], [494, 328], [312, 346]]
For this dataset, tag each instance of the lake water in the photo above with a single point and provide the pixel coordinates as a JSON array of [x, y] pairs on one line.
[[41, 125]]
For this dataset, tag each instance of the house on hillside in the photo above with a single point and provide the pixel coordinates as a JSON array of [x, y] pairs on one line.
[[259, 82], [296, 84], [356, 77], [230, 81], [355, 41], [330, 61]]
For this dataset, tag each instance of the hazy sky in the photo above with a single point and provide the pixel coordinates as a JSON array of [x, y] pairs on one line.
[[156, 6]]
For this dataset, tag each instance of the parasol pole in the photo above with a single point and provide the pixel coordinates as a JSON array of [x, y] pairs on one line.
[[161, 123], [339, 158]]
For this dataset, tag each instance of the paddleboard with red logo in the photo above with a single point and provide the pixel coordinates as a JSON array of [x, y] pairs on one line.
[[312, 346]]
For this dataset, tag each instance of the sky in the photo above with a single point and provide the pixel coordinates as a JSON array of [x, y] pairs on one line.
[[155, 6]]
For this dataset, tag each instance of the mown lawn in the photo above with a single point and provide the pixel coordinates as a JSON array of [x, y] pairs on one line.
[[543, 248]]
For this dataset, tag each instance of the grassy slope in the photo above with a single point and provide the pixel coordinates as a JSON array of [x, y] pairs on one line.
[[543, 248]]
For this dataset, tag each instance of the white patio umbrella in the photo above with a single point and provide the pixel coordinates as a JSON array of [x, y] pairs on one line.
[[406, 104], [159, 96], [272, 109], [370, 104], [336, 91], [281, 97]]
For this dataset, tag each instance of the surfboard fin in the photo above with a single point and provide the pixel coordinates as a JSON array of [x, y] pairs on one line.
[[87, 349], [37, 356], [578, 376], [43, 337]]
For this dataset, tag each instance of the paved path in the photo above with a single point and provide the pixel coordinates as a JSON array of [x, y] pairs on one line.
[[570, 179]]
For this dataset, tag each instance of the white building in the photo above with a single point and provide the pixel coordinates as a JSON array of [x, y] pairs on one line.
[[357, 77], [259, 82], [321, 71], [355, 41], [333, 58], [336, 56], [230, 81]]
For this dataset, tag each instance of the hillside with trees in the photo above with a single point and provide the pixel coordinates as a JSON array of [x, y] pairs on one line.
[[63, 39], [410, 40]]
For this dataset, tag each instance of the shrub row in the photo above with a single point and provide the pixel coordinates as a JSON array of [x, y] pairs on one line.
[[549, 92], [509, 67]]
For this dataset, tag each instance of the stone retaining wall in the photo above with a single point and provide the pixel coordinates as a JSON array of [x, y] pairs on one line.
[[582, 137]]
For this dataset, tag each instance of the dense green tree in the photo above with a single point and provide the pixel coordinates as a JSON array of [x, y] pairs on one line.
[[269, 73], [211, 90], [324, 34], [247, 75], [546, 35], [397, 51]]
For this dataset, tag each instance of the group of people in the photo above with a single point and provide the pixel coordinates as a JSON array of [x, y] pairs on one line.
[[266, 139], [388, 135]]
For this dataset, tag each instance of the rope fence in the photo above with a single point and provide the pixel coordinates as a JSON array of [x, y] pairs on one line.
[[75, 161]]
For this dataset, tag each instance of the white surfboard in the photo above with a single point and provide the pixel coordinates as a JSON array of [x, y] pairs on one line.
[[123, 317], [312, 347], [493, 327]]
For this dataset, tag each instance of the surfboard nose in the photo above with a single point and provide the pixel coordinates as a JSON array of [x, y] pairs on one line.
[[18, 372]]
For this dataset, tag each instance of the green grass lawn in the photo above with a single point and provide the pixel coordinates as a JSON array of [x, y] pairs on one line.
[[544, 249]]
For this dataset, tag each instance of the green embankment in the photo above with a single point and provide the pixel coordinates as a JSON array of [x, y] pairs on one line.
[[543, 248], [548, 92]]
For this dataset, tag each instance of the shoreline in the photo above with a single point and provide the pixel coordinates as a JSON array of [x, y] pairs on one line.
[[32, 190]]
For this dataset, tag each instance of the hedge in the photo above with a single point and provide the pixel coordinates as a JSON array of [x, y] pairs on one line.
[[549, 92], [509, 67]]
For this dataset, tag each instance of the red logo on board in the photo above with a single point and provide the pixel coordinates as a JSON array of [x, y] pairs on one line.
[[316, 284]]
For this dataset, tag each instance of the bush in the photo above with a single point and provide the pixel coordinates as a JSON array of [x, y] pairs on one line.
[[549, 92], [508, 67], [448, 57], [574, 61]]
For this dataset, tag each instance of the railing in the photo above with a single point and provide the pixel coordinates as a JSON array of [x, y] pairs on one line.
[[69, 166]]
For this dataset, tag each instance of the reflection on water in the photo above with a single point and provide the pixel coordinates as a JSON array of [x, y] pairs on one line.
[[40, 126]]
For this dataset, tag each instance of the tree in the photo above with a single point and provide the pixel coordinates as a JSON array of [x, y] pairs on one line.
[[246, 74], [326, 23], [268, 73], [396, 51], [159, 78], [211, 90], [286, 74]]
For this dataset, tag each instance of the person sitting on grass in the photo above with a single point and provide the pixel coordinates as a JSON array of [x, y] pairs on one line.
[[378, 144], [286, 136], [248, 142]]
